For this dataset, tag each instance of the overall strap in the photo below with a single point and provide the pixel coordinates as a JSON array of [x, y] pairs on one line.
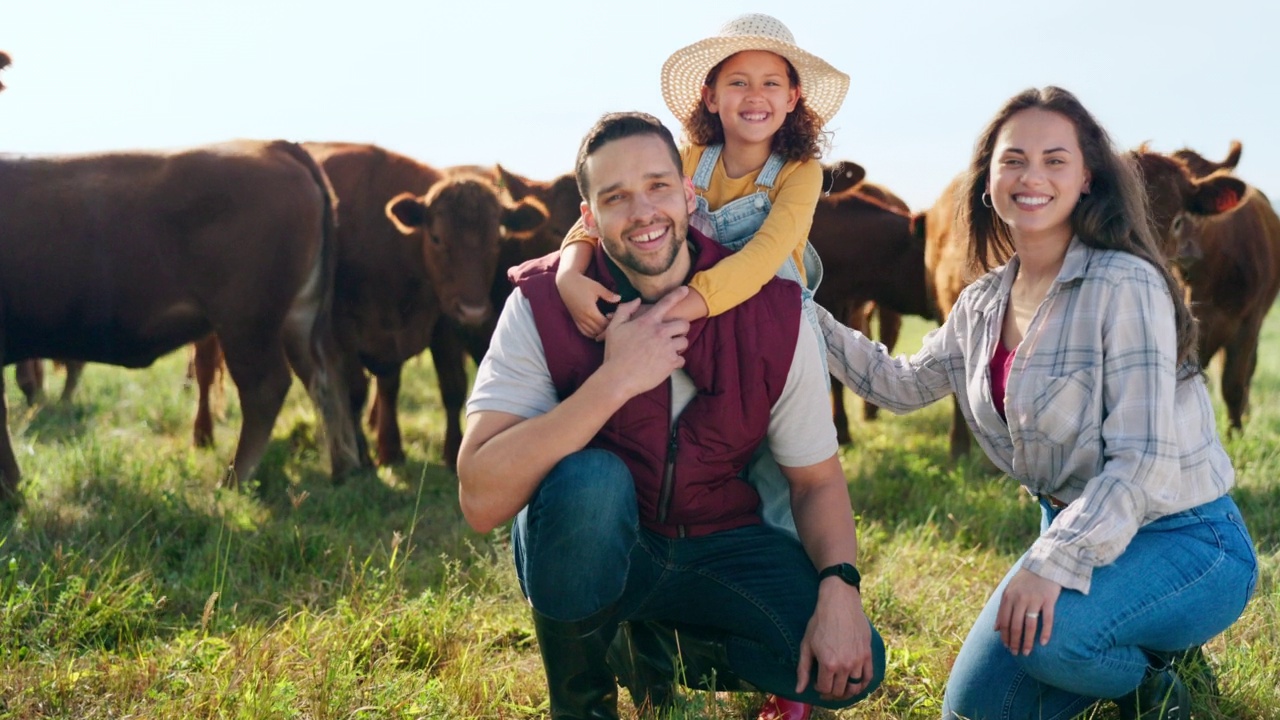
[[769, 173], [706, 166]]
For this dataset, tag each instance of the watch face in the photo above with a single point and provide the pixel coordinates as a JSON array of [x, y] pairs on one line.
[[845, 572]]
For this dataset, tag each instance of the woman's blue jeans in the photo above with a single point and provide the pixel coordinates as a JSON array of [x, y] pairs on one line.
[[1183, 579], [580, 553]]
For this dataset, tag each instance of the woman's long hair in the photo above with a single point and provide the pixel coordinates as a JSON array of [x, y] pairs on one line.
[[1113, 215]]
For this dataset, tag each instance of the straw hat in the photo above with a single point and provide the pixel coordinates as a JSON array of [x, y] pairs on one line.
[[683, 73]]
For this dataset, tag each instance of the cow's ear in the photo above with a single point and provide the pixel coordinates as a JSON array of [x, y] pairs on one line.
[[408, 213], [1216, 194], [524, 217], [516, 186], [918, 226]]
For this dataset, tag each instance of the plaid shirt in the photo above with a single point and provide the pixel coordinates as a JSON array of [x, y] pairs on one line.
[[1097, 416]]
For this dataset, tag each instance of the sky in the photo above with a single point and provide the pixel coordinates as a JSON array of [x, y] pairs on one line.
[[477, 82]]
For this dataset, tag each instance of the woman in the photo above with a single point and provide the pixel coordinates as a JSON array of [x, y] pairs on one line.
[[1074, 365]]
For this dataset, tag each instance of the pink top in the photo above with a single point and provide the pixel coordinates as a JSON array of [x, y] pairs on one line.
[[1001, 361]]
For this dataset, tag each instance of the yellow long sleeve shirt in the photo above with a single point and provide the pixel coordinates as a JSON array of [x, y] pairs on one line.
[[783, 234]]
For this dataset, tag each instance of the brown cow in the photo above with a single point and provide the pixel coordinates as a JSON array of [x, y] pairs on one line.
[[841, 176], [1174, 196], [450, 342], [4, 63], [869, 253], [121, 258], [1200, 167], [415, 244], [1230, 263]]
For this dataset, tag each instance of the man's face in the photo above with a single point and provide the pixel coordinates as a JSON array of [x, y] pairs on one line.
[[639, 205]]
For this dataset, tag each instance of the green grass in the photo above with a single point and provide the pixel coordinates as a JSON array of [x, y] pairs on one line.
[[132, 587]]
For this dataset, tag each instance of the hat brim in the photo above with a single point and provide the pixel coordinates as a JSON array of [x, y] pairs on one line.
[[683, 74]]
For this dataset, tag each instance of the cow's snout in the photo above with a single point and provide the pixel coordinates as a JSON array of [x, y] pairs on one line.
[[471, 315]]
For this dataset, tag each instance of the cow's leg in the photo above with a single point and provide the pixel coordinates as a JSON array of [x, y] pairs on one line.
[[856, 317], [206, 361], [9, 474], [260, 371], [390, 450], [888, 327], [1240, 359], [30, 377], [317, 359], [357, 383], [74, 369], [451, 373]]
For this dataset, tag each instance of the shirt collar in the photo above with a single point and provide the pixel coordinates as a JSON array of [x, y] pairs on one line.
[[1074, 264]]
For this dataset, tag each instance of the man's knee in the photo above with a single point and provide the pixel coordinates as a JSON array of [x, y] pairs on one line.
[[593, 487]]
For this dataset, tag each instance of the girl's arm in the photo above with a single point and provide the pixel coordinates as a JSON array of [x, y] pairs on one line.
[[785, 230], [578, 291]]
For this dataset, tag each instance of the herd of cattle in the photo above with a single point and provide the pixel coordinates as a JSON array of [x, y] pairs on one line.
[[344, 261]]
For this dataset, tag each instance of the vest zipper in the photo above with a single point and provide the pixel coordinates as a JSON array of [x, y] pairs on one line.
[[668, 480]]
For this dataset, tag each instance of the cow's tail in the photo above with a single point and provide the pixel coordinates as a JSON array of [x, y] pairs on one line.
[[327, 385]]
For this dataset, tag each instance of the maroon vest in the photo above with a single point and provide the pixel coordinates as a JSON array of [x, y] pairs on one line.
[[688, 477]]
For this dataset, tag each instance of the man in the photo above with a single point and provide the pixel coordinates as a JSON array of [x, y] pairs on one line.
[[622, 465]]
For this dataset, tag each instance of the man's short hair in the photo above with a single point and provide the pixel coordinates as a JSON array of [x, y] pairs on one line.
[[616, 126]]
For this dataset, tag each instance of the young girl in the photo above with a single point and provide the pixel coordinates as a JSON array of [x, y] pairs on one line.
[[1075, 366], [753, 105]]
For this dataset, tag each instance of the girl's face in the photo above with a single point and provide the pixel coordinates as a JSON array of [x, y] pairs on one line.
[[752, 95], [1037, 174]]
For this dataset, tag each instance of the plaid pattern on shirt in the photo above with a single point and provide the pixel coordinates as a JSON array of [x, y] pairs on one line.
[[1098, 415]]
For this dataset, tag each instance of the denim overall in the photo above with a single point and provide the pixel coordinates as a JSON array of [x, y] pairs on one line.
[[733, 225]]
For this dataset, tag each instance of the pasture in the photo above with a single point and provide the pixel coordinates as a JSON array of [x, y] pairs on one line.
[[132, 586]]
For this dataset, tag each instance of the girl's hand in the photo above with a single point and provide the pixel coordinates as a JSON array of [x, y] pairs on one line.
[[580, 294], [1027, 603]]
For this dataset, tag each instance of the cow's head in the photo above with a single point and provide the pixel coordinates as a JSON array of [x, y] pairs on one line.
[[561, 199], [1179, 200], [1200, 167], [458, 225], [841, 176]]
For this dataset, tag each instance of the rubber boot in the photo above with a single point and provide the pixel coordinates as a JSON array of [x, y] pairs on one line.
[[644, 664], [1160, 696], [580, 685]]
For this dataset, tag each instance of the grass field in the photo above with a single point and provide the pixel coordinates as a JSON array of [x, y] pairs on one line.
[[131, 587]]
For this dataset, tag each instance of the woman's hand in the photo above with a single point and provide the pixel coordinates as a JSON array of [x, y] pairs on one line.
[[1027, 603]]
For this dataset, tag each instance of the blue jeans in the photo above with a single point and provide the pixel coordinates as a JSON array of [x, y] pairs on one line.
[[1182, 580], [580, 553]]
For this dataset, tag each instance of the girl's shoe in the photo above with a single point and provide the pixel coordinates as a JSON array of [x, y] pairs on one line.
[[778, 708]]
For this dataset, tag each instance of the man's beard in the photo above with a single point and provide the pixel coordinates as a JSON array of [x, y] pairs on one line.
[[653, 267]]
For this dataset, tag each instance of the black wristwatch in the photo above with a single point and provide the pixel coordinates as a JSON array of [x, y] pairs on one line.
[[845, 572]]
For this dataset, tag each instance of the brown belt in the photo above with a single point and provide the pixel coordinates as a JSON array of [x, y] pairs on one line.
[[1054, 502]]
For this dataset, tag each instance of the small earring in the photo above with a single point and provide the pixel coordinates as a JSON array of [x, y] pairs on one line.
[[986, 199]]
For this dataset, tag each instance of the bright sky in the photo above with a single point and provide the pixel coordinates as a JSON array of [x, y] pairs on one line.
[[475, 82]]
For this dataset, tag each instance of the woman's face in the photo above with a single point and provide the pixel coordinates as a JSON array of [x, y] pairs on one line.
[[1037, 174]]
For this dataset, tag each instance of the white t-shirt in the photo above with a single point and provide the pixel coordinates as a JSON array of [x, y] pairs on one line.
[[513, 378]]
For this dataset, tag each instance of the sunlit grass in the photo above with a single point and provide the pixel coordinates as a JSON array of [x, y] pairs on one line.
[[131, 586]]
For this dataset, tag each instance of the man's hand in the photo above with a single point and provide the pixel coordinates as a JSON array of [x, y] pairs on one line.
[[642, 351], [838, 638], [1027, 604]]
